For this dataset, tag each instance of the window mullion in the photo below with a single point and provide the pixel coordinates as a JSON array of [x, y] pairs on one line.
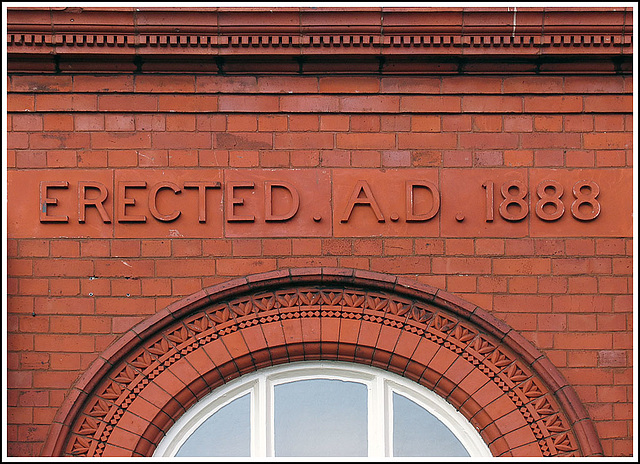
[[260, 418], [376, 408]]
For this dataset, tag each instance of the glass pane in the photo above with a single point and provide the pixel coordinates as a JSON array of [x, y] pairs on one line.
[[417, 432], [226, 433], [320, 417]]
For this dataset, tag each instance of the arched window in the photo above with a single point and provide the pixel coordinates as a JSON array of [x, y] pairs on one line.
[[322, 409]]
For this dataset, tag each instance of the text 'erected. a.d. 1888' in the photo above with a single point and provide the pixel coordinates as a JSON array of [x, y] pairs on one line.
[[212, 203]]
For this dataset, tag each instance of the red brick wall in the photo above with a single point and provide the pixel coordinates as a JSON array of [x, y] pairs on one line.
[[69, 298]]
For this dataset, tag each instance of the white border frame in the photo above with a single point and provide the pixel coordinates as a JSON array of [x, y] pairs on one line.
[[380, 386]]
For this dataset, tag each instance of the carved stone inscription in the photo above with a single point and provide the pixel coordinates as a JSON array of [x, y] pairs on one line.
[[319, 203]]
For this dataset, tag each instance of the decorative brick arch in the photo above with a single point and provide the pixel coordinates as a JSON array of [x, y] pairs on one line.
[[134, 392]]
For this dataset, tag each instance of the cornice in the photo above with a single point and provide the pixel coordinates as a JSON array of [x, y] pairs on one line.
[[502, 34]]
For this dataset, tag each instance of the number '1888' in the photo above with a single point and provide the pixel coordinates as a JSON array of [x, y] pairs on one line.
[[549, 206]]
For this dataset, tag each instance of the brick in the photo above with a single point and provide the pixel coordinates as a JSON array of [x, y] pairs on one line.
[[244, 141], [533, 84], [27, 122], [308, 104], [430, 104], [585, 266], [552, 285], [492, 284], [522, 303], [548, 123], [426, 158], [582, 303], [456, 123], [395, 122], [509, 266], [491, 104], [62, 267], [471, 84], [352, 84], [608, 103], [610, 246], [396, 158], [287, 84], [213, 157], [488, 141], [609, 122], [29, 286], [245, 158], [303, 122], [410, 84], [401, 265], [370, 104], [609, 158], [608, 141], [551, 140], [487, 158], [454, 265], [247, 247], [64, 287], [457, 158], [461, 284], [555, 104], [135, 140], [427, 140], [594, 84], [306, 246], [309, 158], [272, 123], [365, 123], [364, 141], [580, 247], [241, 266], [612, 285], [61, 158], [549, 158], [579, 158], [578, 122], [119, 122], [36, 83], [429, 123], [487, 123], [62, 140], [159, 83], [115, 306], [611, 322], [334, 122], [181, 140], [303, 140], [117, 83], [274, 159], [190, 103], [64, 343], [276, 247], [124, 268], [458, 246], [365, 158], [225, 84], [210, 122], [124, 103], [582, 284], [20, 103], [180, 122]]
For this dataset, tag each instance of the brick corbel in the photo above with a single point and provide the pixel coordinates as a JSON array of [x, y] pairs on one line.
[[83, 39]]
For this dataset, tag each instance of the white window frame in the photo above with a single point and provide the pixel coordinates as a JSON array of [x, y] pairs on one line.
[[380, 386]]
